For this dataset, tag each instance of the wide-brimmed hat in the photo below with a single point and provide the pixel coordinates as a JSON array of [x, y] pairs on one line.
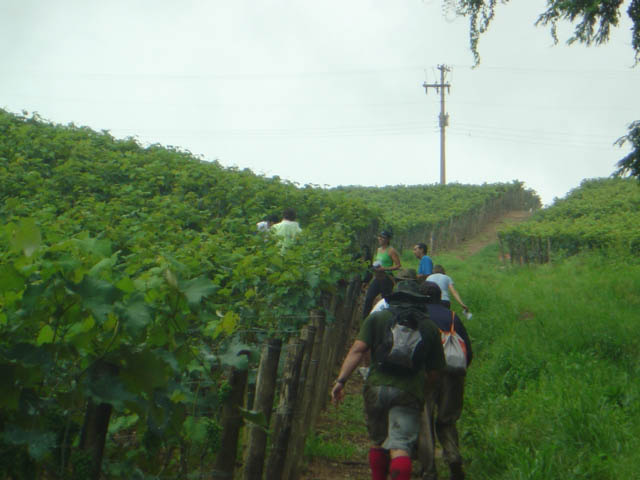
[[407, 290], [406, 274]]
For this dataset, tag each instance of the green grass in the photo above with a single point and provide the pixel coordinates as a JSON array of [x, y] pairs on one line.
[[342, 438], [553, 391]]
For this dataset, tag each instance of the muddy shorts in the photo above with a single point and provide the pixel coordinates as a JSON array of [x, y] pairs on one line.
[[393, 417]]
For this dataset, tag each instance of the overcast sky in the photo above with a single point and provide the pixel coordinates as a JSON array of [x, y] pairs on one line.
[[328, 92]]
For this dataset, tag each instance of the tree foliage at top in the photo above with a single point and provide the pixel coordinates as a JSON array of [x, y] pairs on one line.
[[593, 20]]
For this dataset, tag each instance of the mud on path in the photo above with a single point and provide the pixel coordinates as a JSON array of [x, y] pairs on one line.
[[329, 425]]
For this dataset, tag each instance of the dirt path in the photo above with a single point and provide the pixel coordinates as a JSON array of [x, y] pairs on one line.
[[329, 425], [489, 234]]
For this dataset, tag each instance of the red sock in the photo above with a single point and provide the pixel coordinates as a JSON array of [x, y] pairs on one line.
[[379, 463], [400, 468]]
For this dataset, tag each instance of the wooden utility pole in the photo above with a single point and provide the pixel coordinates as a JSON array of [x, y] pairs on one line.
[[444, 117]]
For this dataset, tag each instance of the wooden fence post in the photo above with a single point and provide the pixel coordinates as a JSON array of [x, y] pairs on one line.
[[332, 338], [231, 423], [313, 388], [263, 402], [96, 422], [298, 435], [548, 249], [284, 414]]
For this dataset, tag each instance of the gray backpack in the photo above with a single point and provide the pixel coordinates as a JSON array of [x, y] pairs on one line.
[[402, 350]]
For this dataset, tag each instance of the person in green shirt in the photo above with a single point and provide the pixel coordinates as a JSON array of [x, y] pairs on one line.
[[393, 398], [287, 229], [386, 261]]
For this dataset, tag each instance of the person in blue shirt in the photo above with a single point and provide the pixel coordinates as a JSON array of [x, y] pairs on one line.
[[426, 264]]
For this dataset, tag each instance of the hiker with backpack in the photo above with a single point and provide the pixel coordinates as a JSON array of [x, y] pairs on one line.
[[406, 353], [444, 397]]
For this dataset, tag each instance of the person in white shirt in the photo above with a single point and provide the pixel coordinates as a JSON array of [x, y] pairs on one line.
[[445, 282]]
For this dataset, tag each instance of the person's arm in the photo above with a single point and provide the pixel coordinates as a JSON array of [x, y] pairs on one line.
[[454, 292], [351, 361], [393, 253]]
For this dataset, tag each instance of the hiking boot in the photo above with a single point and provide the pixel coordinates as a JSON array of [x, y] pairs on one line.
[[456, 471]]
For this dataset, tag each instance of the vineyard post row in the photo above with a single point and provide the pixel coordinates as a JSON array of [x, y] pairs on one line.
[[452, 232], [602, 213], [311, 358]]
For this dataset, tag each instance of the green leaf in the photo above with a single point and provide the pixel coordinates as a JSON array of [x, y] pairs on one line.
[[38, 443], [28, 354], [110, 389], [254, 417], [228, 323], [177, 396], [100, 248], [196, 289], [104, 264], [144, 371], [313, 279], [11, 395], [45, 335], [123, 422], [10, 279], [126, 285], [136, 313], [195, 428], [80, 327], [237, 356], [97, 295], [157, 336], [27, 237]]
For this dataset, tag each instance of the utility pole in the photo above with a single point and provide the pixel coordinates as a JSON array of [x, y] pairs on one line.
[[444, 117]]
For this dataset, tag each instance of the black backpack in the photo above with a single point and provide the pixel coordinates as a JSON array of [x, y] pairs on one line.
[[401, 351]]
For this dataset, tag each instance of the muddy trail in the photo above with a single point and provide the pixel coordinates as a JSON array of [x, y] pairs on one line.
[[330, 426]]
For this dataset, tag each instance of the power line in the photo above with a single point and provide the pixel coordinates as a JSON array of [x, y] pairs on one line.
[[533, 141], [320, 73], [532, 132]]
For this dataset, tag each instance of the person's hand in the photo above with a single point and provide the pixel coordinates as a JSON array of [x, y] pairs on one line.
[[337, 393]]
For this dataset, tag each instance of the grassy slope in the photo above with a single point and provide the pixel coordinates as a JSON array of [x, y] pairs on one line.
[[553, 391]]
